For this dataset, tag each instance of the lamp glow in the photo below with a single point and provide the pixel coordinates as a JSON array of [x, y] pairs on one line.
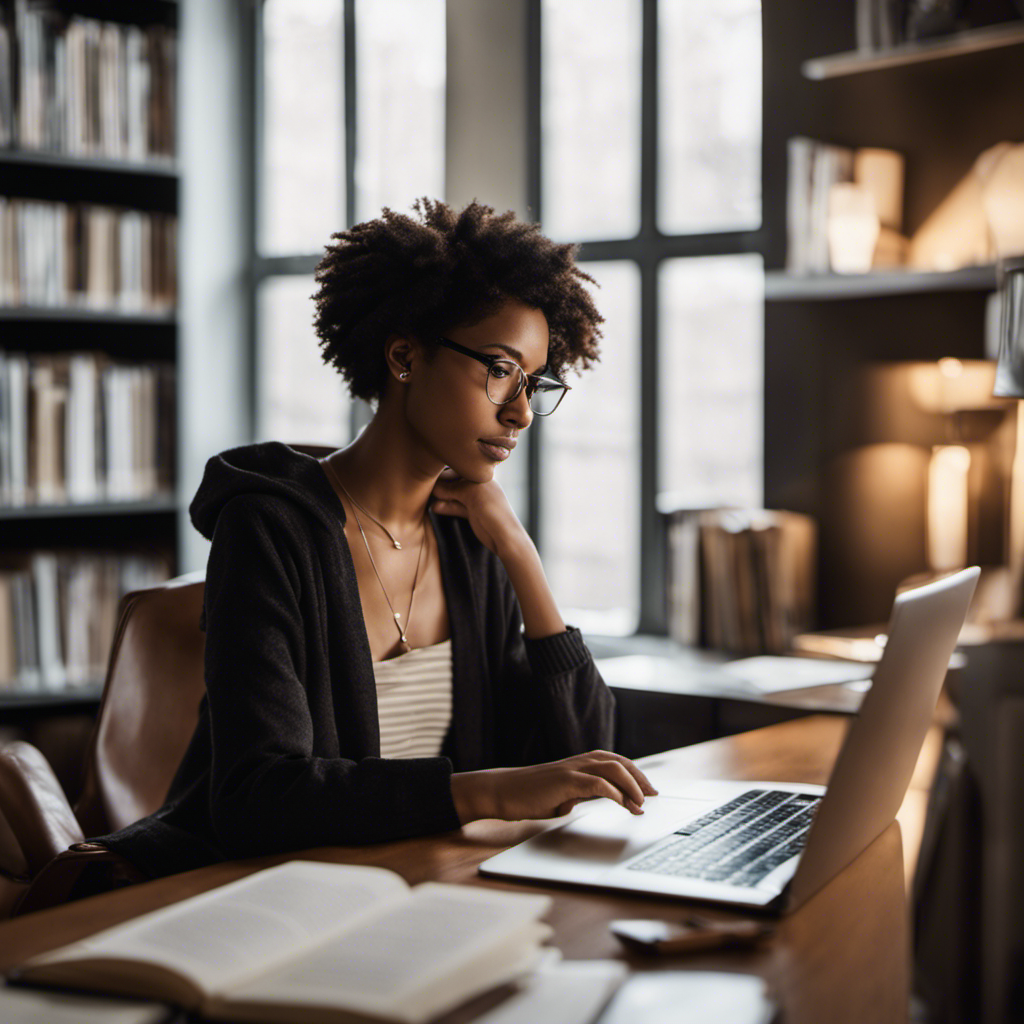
[[948, 507]]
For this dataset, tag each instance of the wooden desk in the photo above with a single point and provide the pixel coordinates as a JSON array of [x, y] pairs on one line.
[[844, 956]]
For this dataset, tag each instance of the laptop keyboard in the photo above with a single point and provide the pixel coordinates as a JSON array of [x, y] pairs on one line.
[[739, 842]]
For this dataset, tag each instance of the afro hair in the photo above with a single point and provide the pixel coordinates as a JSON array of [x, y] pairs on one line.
[[421, 276]]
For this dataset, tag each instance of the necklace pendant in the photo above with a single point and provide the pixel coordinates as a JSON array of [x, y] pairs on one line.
[[404, 641], [398, 547], [398, 615]]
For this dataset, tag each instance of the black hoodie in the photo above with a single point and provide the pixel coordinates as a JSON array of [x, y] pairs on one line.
[[286, 754]]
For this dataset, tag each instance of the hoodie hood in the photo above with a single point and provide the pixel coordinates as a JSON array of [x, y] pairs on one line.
[[270, 468]]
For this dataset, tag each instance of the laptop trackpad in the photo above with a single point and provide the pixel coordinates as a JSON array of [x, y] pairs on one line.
[[607, 833]]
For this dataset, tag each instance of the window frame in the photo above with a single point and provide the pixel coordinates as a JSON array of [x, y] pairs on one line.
[[648, 249]]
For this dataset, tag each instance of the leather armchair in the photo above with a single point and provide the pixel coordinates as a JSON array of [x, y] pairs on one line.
[[36, 822], [146, 718]]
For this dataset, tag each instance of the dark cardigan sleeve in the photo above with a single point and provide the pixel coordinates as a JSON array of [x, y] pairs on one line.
[[552, 700], [269, 789]]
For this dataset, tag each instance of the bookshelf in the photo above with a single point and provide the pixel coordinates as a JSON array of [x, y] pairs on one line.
[[970, 41], [156, 168], [825, 446], [70, 315], [104, 169], [782, 286]]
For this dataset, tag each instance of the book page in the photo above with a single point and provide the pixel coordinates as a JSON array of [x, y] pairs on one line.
[[222, 936], [24, 1006], [380, 963], [570, 992]]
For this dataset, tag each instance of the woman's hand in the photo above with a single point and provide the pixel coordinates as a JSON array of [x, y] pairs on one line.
[[497, 528], [550, 790], [484, 505]]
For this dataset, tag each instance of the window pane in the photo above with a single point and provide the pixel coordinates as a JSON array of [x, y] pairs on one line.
[[590, 118], [709, 116], [300, 400], [513, 475], [400, 83], [302, 182], [590, 488], [711, 379]]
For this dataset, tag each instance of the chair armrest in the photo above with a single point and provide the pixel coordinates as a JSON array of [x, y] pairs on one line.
[[38, 820]]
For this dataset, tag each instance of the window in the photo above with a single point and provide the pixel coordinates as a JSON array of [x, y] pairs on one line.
[[590, 523], [303, 150], [351, 118], [590, 119], [650, 156]]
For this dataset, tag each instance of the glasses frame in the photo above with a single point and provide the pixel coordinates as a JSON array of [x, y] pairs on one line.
[[526, 380]]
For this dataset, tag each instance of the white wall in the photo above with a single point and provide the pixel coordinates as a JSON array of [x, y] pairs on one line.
[[213, 336]]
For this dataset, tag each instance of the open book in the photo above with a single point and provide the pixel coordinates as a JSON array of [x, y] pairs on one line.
[[311, 942]]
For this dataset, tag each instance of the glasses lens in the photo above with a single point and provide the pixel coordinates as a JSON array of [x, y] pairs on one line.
[[545, 398], [504, 381]]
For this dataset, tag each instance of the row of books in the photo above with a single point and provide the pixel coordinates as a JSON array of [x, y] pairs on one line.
[[814, 168], [80, 255], [79, 427], [58, 612], [84, 87], [819, 221], [740, 580]]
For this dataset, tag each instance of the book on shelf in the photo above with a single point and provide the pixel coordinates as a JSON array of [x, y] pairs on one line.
[[6, 81], [814, 170], [58, 613], [740, 580], [312, 942], [85, 87], [86, 256], [879, 24], [79, 427]]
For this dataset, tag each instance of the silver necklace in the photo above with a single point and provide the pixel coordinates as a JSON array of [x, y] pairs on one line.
[[355, 504]]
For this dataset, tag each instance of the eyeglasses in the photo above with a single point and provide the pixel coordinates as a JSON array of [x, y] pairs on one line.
[[506, 379]]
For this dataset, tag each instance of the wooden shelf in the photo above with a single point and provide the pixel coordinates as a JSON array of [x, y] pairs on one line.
[[782, 286], [74, 314], [859, 61], [161, 505], [166, 168], [80, 697]]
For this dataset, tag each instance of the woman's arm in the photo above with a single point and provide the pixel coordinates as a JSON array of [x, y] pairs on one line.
[[541, 616], [498, 528], [551, 698]]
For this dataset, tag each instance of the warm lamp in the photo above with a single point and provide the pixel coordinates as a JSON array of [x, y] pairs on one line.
[[948, 507]]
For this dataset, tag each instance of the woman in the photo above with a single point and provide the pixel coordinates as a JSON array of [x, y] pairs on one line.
[[384, 657]]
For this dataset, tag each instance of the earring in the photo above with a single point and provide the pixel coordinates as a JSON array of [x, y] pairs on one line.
[[404, 375]]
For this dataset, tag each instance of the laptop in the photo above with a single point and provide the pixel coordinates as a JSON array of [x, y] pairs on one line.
[[767, 845]]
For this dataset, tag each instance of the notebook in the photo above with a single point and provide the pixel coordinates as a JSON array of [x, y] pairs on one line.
[[769, 845]]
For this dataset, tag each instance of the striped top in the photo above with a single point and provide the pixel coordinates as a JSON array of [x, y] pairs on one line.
[[414, 701]]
